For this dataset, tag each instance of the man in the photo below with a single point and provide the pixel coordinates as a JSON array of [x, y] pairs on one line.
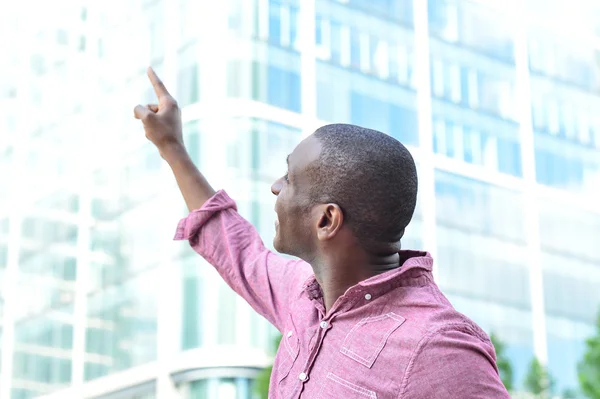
[[360, 318]]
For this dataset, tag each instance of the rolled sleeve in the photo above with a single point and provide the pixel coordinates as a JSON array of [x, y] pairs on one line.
[[233, 246]]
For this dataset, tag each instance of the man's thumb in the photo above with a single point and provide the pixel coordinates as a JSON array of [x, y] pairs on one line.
[[141, 112]]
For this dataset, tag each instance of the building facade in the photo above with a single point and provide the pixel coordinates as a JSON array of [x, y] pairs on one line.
[[499, 102]]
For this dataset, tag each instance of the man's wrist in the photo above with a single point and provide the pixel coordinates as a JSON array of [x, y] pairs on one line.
[[173, 152]]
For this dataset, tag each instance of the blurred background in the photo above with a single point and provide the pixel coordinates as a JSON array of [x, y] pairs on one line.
[[499, 102]]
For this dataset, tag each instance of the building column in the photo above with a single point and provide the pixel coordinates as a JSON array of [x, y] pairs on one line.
[[531, 221], [85, 212], [16, 184], [426, 159], [168, 311], [308, 66]]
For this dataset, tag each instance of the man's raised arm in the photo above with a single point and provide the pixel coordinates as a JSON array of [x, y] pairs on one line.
[[214, 228]]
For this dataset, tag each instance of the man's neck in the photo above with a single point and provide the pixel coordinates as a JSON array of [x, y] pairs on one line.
[[336, 274]]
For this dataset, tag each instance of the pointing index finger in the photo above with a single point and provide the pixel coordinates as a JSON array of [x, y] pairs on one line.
[[159, 87]]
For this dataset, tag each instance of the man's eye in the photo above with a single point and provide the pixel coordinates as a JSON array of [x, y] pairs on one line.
[[286, 177]]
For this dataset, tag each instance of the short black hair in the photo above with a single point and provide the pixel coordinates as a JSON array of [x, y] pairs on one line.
[[371, 176]]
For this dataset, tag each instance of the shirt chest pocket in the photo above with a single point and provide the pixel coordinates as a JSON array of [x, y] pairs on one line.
[[289, 350], [336, 387], [367, 338]]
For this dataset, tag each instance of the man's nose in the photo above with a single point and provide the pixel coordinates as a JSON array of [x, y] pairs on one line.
[[276, 187]]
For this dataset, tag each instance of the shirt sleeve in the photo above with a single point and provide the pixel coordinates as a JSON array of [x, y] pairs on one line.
[[232, 245], [454, 364]]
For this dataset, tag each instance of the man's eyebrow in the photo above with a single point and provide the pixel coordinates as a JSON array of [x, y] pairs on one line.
[[287, 160]]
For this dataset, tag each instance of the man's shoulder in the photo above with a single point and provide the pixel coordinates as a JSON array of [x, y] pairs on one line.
[[451, 332], [434, 315]]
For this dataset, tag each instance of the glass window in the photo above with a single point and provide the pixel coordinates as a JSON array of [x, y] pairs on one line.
[[405, 66], [569, 61], [234, 15], [199, 390], [439, 136], [191, 136], [336, 42], [319, 30], [486, 30], [496, 95], [452, 86], [42, 369], [437, 77], [294, 15], [476, 266], [566, 347], [62, 37], [537, 113], [478, 207], [156, 28], [473, 89], [595, 131], [473, 146], [3, 255], [509, 157], [283, 88], [188, 84], [227, 324], [574, 296], [355, 48], [272, 143], [404, 125], [368, 112], [398, 121], [567, 120], [193, 302], [552, 111], [121, 324], [38, 64], [379, 59], [450, 141], [566, 165], [443, 19], [274, 22], [582, 126], [571, 232], [222, 388], [468, 150]]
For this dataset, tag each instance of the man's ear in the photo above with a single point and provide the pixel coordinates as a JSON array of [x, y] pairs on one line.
[[330, 219]]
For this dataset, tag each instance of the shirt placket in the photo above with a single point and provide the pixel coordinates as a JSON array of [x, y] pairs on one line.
[[314, 348], [323, 327]]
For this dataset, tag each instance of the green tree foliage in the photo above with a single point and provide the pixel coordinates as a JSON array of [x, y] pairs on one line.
[[261, 384], [538, 380], [569, 394], [589, 367], [504, 366]]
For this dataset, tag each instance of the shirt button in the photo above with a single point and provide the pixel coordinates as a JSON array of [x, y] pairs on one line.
[[368, 297], [289, 334], [324, 324], [302, 377]]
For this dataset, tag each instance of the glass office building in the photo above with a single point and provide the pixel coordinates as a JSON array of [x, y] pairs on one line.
[[499, 102]]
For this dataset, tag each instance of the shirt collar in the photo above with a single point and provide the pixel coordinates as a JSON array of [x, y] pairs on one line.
[[416, 270]]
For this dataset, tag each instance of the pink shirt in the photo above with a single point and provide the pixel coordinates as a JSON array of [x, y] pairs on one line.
[[394, 335]]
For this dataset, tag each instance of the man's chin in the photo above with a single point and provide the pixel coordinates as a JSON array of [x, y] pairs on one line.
[[279, 247], [277, 244]]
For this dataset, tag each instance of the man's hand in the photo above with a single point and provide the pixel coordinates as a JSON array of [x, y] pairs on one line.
[[162, 121]]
